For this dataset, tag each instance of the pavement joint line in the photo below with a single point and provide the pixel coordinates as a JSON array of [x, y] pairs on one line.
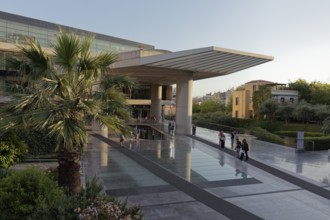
[[320, 191], [263, 193], [168, 203], [220, 205]]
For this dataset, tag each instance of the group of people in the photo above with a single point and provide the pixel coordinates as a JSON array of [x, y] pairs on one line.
[[241, 148]]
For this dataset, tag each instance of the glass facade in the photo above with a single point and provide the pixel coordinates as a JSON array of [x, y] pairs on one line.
[[142, 92], [17, 33], [15, 30]]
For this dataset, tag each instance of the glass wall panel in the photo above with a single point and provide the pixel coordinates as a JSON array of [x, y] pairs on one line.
[[16, 32]]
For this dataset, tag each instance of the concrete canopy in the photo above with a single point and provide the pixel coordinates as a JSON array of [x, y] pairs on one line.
[[162, 67]]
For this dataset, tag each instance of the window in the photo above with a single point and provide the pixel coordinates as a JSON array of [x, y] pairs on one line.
[[282, 99], [236, 101], [292, 100]]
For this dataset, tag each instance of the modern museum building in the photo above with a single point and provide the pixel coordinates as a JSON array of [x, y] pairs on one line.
[[156, 71]]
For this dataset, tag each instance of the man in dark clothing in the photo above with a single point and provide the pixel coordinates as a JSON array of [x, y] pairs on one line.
[[232, 138], [193, 129], [245, 147]]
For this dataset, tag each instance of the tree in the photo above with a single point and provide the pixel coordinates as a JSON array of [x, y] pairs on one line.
[[195, 107], [260, 96], [304, 112], [326, 126], [229, 106], [211, 105], [303, 88], [240, 88], [320, 93], [284, 112], [59, 97], [269, 108], [321, 112]]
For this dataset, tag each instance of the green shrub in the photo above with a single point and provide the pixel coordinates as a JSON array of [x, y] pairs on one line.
[[268, 125], [33, 194], [264, 135], [221, 121], [30, 194], [91, 202], [326, 125], [218, 121], [301, 127], [294, 134], [320, 143], [12, 150], [39, 142]]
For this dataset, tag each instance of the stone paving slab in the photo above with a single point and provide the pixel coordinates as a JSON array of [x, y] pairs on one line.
[[270, 197]]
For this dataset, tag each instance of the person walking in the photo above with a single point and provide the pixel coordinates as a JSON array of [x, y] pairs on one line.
[[121, 139], [193, 129], [222, 139], [153, 134], [232, 138], [169, 127], [238, 148], [172, 128], [245, 147]]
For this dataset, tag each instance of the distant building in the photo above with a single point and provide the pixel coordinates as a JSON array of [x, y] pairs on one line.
[[220, 96], [243, 99]]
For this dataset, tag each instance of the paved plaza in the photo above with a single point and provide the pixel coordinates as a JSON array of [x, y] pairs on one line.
[[188, 177]]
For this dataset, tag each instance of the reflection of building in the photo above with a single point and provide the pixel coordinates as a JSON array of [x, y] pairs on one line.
[[156, 71], [242, 99]]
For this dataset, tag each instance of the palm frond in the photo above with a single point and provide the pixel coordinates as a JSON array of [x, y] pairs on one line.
[[67, 51], [121, 82], [69, 132], [62, 98], [37, 64]]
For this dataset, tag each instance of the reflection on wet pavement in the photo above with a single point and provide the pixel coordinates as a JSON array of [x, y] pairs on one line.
[[186, 160], [312, 165]]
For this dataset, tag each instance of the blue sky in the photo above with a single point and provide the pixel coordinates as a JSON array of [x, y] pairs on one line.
[[295, 32]]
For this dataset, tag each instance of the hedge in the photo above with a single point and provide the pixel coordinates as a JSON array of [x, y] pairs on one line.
[[320, 143], [39, 142], [264, 135], [294, 134]]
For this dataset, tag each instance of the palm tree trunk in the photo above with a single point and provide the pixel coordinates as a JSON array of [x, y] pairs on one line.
[[69, 168]]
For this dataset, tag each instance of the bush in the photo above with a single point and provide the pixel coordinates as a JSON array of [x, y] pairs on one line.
[[301, 127], [33, 194], [217, 121], [39, 142], [12, 149], [294, 134], [30, 194], [268, 125], [264, 135], [326, 125], [90, 202], [320, 143]]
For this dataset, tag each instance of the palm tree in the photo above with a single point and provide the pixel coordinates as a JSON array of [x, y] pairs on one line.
[[57, 94]]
